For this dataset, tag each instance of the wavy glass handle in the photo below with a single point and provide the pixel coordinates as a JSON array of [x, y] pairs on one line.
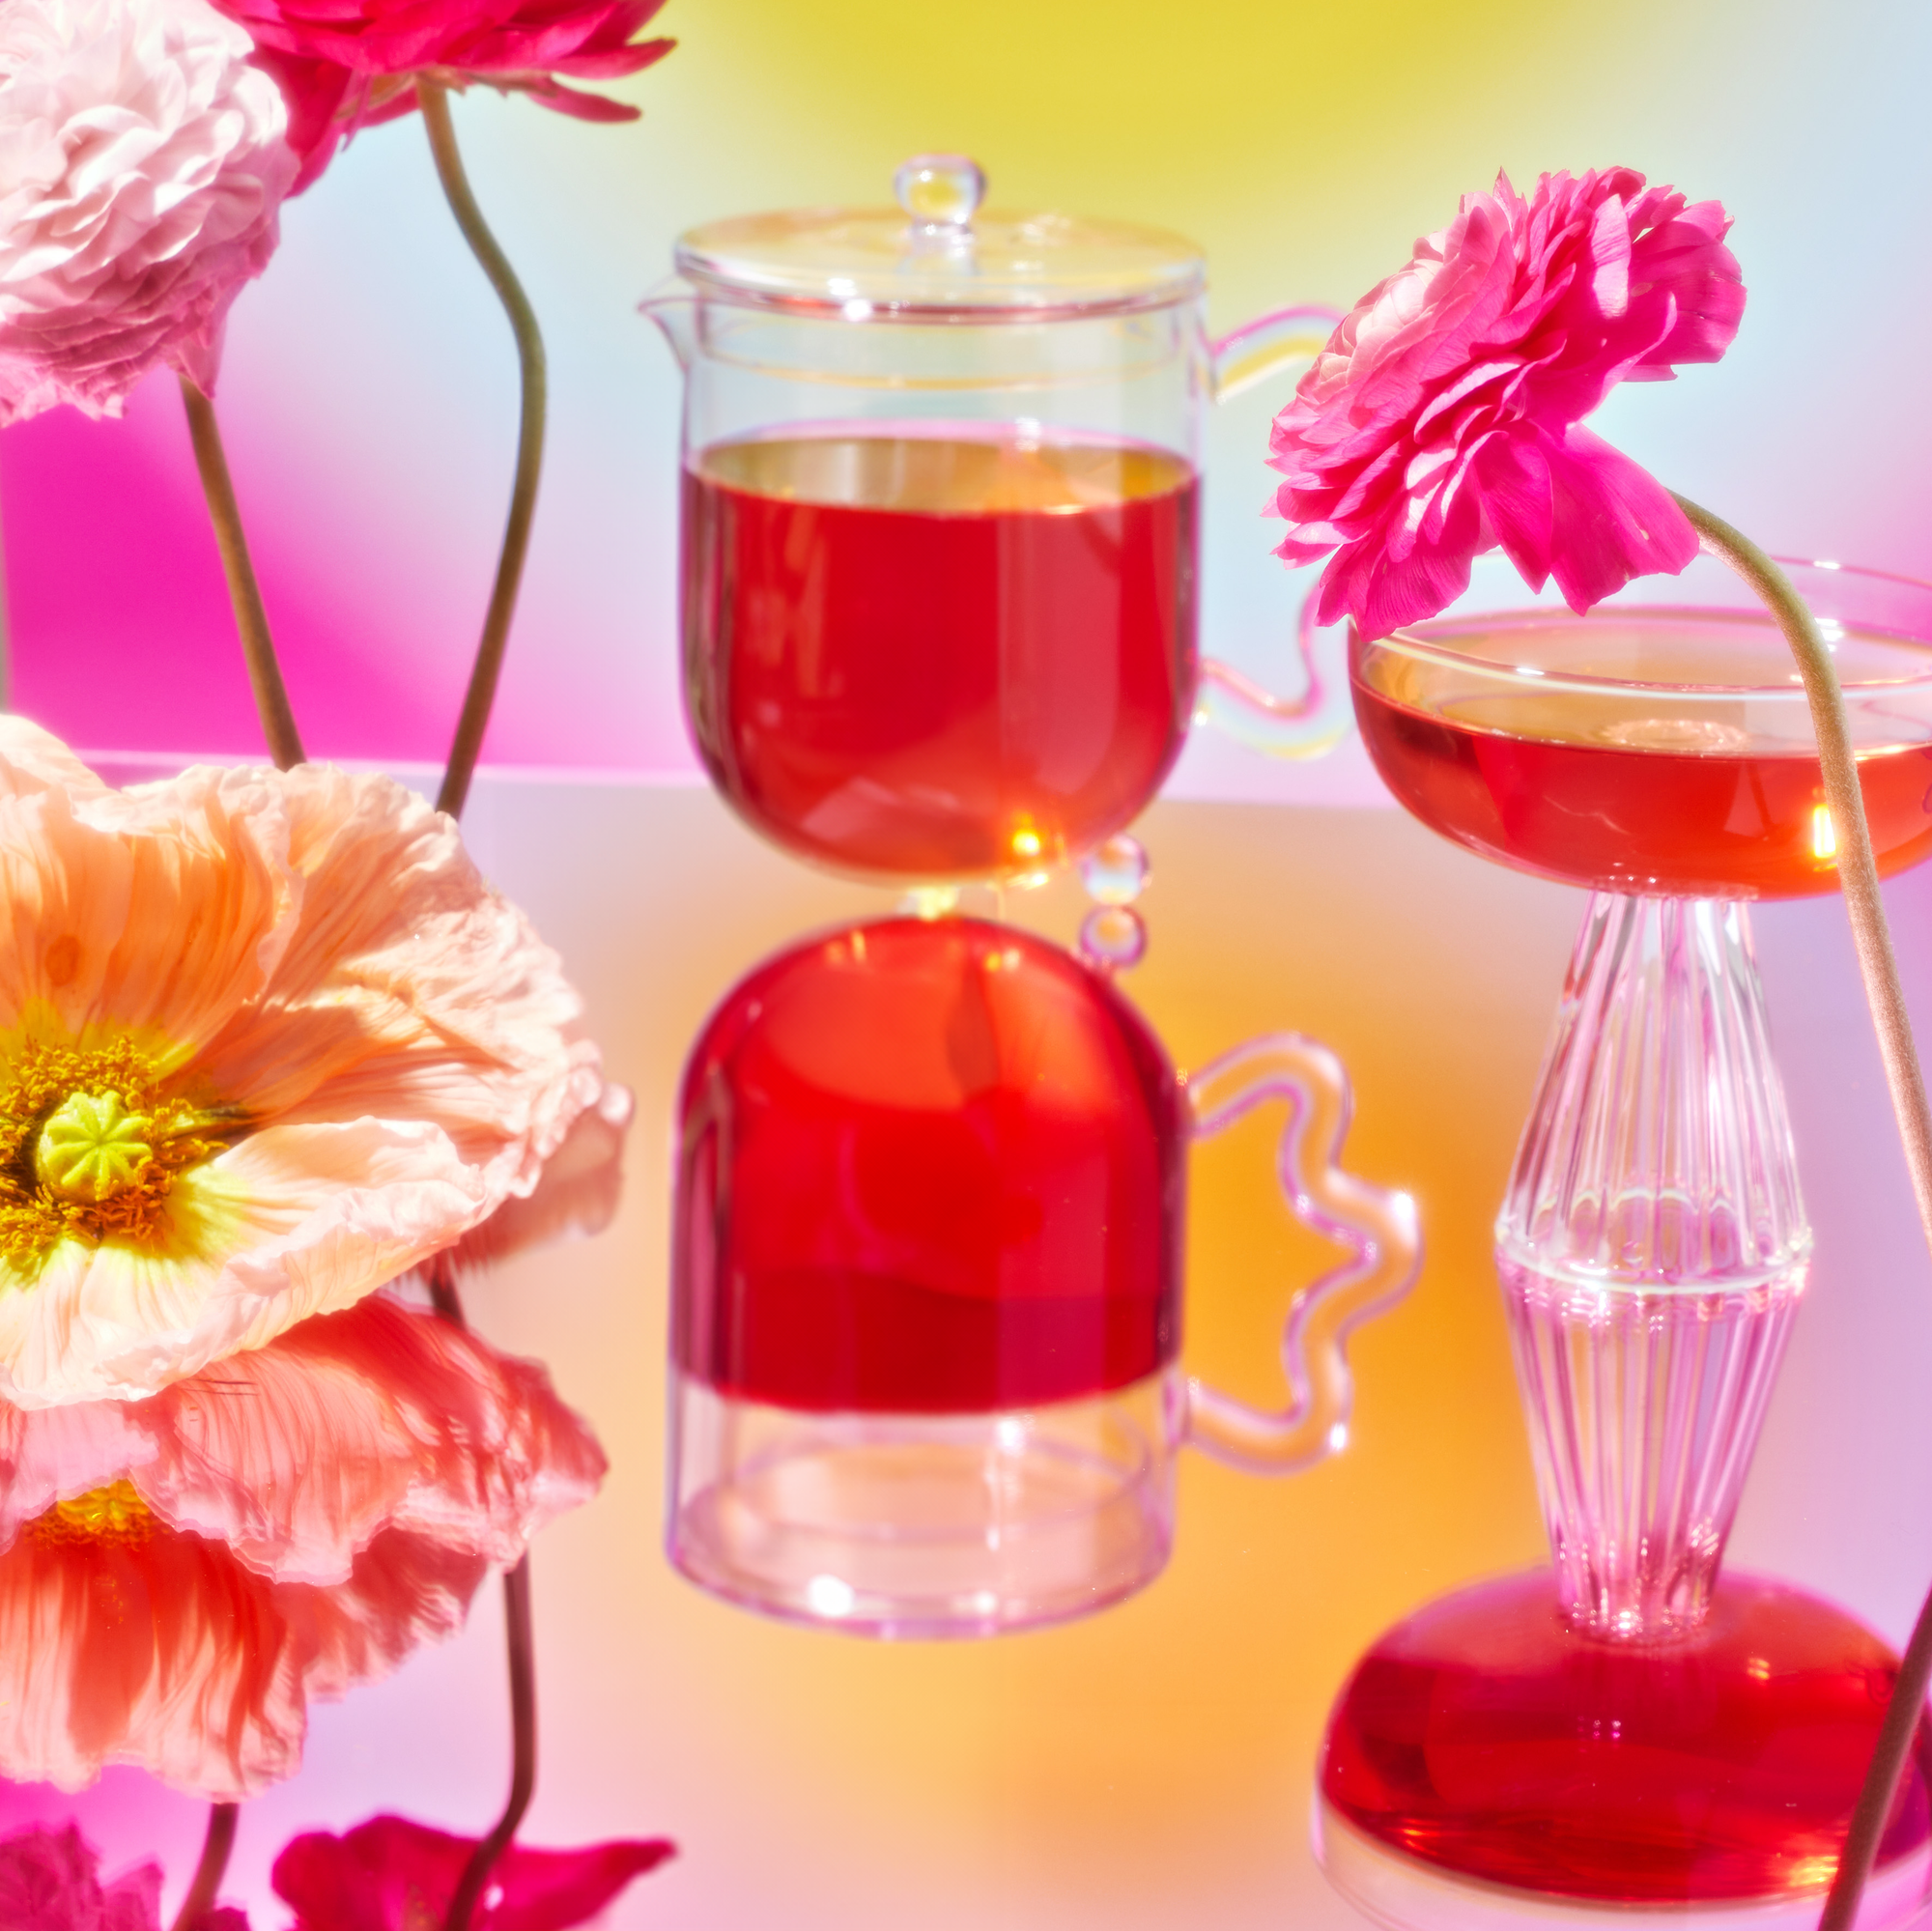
[[1254, 351], [1313, 722], [1378, 1227]]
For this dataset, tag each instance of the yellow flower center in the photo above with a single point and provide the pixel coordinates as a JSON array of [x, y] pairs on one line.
[[115, 1513], [92, 1148]]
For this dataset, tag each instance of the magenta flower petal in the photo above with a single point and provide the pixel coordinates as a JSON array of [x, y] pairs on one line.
[[349, 64], [390, 1874], [1440, 419], [50, 1881]]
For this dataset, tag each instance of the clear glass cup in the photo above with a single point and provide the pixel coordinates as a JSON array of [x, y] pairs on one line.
[[941, 526], [927, 1296]]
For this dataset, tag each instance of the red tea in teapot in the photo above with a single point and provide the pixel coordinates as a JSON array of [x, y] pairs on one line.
[[942, 651]]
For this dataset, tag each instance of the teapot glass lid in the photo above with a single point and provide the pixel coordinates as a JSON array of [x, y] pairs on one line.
[[937, 256]]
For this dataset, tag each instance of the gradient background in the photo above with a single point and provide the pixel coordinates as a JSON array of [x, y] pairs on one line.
[[1151, 1768]]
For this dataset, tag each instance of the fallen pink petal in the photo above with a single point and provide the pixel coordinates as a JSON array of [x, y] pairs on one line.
[[390, 1874]]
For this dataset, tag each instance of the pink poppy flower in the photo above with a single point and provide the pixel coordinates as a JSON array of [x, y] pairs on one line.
[[179, 1576], [346, 64], [1442, 417], [390, 1874], [267, 1040], [142, 164]]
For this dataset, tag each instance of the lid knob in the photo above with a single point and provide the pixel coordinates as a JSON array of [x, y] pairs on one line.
[[939, 191]]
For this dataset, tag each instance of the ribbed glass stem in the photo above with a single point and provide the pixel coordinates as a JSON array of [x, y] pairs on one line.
[[1652, 1249]]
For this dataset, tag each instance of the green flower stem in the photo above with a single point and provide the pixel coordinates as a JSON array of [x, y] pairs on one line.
[[1858, 873], [524, 1755], [434, 100], [1858, 870], [251, 620], [207, 1874], [518, 1633]]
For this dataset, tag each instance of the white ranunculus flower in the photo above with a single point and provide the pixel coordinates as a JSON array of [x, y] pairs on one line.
[[142, 167]]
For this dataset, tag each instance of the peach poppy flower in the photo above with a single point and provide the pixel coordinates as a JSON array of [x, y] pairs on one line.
[[267, 1040], [179, 1576]]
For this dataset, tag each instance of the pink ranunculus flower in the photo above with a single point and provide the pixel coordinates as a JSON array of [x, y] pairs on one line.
[[1442, 417], [346, 64], [267, 1040], [143, 162], [179, 1576], [390, 1874]]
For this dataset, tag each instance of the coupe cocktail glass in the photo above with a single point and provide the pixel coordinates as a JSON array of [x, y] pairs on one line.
[[1635, 1732]]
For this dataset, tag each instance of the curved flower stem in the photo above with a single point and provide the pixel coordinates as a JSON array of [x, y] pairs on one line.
[[1858, 870], [523, 1727], [215, 1850], [517, 1629], [258, 648], [434, 99], [1889, 1757], [1858, 873]]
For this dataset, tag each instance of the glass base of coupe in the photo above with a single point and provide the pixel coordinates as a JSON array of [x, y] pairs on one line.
[[1644, 1735]]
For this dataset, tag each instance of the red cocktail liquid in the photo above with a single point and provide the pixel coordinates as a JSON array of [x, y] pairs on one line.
[[926, 1167], [933, 655], [1694, 792], [1483, 1737]]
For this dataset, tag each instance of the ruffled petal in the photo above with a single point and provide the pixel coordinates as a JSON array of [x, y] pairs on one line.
[[298, 1455], [159, 1650], [294, 1221]]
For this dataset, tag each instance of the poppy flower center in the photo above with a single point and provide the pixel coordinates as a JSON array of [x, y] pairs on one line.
[[90, 1145], [115, 1513], [92, 1148]]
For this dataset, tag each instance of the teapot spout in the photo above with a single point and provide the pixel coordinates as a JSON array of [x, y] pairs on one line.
[[673, 307]]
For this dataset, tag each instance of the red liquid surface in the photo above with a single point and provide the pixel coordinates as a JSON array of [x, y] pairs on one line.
[[926, 1168], [1687, 804], [1482, 1736], [936, 655]]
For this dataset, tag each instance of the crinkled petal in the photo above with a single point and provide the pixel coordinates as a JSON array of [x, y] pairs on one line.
[[298, 1455], [294, 1221], [161, 1652]]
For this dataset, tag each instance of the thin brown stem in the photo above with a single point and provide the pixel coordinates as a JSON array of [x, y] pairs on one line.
[[524, 1759], [251, 620], [207, 1874], [1857, 874], [1858, 870], [482, 691], [1889, 1757]]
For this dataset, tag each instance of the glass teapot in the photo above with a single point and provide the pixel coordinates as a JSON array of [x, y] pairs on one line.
[[940, 530]]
